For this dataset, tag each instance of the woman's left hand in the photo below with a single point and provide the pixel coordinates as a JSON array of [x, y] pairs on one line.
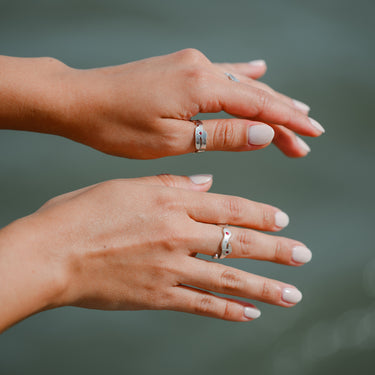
[[132, 244]]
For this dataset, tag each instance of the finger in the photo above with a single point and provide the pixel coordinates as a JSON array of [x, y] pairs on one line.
[[242, 100], [224, 135], [225, 209], [195, 301], [241, 71], [304, 108], [253, 69], [237, 135], [251, 244], [289, 143], [199, 182], [218, 278]]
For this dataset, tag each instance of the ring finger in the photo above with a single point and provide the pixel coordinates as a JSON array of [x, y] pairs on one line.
[[250, 244]]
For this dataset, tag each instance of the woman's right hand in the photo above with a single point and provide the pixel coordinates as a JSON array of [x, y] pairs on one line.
[[144, 109], [132, 244]]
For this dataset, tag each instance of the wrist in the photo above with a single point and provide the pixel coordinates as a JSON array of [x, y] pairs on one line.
[[34, 94], [32, 278]]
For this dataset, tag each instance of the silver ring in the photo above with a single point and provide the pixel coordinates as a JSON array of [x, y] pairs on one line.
[[232, 77], [200, 136], [226, 247]]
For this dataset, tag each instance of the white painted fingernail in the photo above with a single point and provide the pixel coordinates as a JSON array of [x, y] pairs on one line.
[[281, 219], [301, 254], [251, 312], [302, 144], [316, 125], [200, 179], [260, 134], [300, 105], [257, 62], [291, 295]]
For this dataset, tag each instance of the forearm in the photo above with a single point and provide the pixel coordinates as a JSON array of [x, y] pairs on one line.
[[29, 280], [33, 94]]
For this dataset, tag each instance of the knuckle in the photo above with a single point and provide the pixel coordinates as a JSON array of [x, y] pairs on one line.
[[167, 179], [192, 55], [290, 115], [278, 251], [263, 101], [227, 312], [47, 61], [168, 238], [209, 305], [165, 198], [263, 86], [278, 254], [267, 290], [205, 305], [229, 281], [268, 218], [224, 135], [197, 77], [51, 201], [169, 231], [233, 209], [245, 242]]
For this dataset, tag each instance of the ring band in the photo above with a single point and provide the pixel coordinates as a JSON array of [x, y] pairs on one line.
[[226, 247], [232, 77], [200, 136]]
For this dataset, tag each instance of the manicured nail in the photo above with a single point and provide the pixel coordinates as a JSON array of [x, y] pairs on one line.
[[260, 134], [301, 254], [302, 144], [251, 312], [281, 219], [316, 125], [257, 62], [200, 179], [300, 105], [291, 295]]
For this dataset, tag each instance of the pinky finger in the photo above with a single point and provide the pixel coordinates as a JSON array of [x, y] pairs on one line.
[[200, 302], [289, 143]]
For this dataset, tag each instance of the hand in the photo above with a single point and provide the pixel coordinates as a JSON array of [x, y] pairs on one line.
[[131, 244], [142, 109]]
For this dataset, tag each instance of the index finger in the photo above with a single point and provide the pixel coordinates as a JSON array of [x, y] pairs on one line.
[[243, 100]]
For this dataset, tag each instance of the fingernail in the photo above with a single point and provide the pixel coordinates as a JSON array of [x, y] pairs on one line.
[[281, 219], [260, 134], [257, 62], [302, 144], [301, 254], [300, 105], [251, 312], [316, 125], [200, 179], [291, 295]]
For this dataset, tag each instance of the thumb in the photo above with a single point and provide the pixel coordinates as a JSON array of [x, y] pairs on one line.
[[198, 182]]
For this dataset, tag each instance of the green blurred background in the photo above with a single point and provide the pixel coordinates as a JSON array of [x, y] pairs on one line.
[[320, 52]]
